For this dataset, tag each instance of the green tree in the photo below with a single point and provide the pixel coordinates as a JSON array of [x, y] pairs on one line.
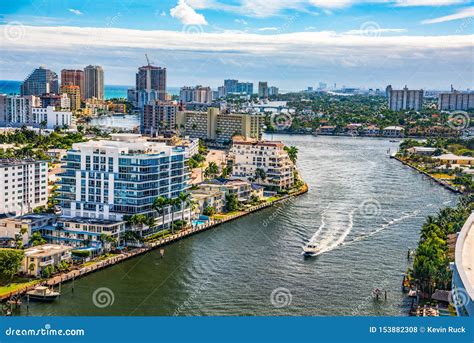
[[37, 239], [292, 152], [159, 205], [10, 263], [211, 171], [260, 175], [231, 202]]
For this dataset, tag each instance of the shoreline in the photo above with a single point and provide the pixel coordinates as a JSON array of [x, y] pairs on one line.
[[148, 246], [438, 181]]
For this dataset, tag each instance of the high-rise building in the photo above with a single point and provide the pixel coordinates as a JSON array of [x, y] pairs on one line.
[[236, 87], [245, 88], [110, 179], [263, 89], [404, 99], [152, 79], [230, 86], [74, 94], [455, 101], [157, 117], [50, 118], [24, 185], [219, 127], [198, 94], [94, 82], [71, 77], [15, 109], [40, 81], [272, 91]]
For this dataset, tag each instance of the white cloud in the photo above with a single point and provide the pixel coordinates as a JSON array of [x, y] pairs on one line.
[[374, 31], [206, 55], [163, 14], [268, 29], [464, 13], [76, 12], [269, 8], [187, 15], [241, 22], [409, 3]]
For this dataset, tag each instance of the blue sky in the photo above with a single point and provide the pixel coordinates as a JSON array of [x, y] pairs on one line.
[[290, 43]]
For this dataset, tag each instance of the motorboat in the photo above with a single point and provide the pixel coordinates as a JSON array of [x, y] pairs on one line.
[[311, 249], [43, 293]]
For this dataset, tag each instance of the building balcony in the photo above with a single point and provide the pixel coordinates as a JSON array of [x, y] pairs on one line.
[[46, 263]]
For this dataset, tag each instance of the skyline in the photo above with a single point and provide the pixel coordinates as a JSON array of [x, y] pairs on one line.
[[291, 44]]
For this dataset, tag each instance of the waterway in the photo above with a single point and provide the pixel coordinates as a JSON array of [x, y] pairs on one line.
[[364, 209]]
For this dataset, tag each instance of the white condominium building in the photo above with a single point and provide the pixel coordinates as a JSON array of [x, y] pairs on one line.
[[248, 155], [23, 185], [15, 109], [110, 179], [51, 117]]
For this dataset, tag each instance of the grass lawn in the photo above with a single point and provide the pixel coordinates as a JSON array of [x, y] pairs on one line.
[[444, 176], [16, 284]]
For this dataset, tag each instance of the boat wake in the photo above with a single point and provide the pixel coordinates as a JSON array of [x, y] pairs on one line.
[[330, 240]]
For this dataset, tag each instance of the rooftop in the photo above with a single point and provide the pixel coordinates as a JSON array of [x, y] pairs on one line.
[[127, 144], [253, 141], [46, 250], [10, 162], [454, 157]]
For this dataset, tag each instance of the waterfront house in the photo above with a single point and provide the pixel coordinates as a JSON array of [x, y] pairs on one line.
[[13, 227], [242, 189], [393, 131], [371, 130], [454, 159], [213, 197], [82, 232], [326, 130], [39, 257], [421, 150]]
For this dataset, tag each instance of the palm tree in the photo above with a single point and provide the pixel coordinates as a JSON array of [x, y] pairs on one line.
[[173, 203], [292, 152], [137, 220], [159, 205], [260, 174], [185, 199]]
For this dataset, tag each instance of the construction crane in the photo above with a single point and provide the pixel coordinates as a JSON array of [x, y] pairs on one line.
[[147, 60]]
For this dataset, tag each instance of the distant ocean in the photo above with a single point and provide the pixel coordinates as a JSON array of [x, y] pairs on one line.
[[111, 91]]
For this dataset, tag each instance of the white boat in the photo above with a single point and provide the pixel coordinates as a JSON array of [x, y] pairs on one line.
[[43, 293], [311, 249]]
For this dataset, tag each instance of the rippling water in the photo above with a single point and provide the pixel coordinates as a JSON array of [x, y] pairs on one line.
[[362, 207]]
